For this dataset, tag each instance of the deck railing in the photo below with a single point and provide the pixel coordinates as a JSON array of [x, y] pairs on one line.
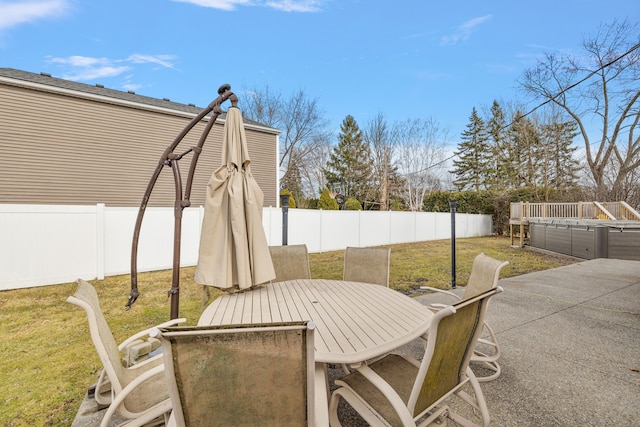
[[521, 212]]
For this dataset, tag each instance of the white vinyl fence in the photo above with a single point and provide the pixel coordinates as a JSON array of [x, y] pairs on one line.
[[46, 244]]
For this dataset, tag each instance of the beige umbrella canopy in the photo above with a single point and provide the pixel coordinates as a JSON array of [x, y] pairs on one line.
[[234, 254]]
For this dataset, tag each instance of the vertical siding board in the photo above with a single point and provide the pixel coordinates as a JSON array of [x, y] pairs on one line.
[[583, 242], [558, 240], [624, 245], [69, 150]]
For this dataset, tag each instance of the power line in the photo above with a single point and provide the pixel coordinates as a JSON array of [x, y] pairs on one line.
[[608, 64]]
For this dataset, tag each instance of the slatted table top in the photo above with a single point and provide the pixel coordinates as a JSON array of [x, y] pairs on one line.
[[354, 321]]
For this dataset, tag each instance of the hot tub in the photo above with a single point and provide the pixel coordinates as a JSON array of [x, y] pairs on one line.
[[586, 239]]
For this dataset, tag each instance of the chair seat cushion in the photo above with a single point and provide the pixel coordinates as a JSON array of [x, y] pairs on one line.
[[396, 371]]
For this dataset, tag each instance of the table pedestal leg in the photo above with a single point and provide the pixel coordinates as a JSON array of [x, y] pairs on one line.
[[321, 395]]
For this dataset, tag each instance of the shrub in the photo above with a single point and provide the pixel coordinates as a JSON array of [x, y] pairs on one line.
[[353, 204], [327, 202], [312, 203]]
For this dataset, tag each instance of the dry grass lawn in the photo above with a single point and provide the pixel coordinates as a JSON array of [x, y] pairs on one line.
[[48, 361]]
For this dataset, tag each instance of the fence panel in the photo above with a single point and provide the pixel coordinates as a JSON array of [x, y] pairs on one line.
[[403, 228], [47, 244], [426, 226], [375, 227]]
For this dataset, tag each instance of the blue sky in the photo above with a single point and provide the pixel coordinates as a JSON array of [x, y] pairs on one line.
[[404, 59]]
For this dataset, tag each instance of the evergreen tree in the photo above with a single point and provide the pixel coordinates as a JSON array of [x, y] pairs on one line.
[[514, 154], [350, 166], [561, 168], [530, 152], [472, 169], [326, 202], [497, 130]]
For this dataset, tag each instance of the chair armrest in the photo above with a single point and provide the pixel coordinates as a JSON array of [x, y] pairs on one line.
[[119, 399], [146, 332], [438, 305], [442, 291]]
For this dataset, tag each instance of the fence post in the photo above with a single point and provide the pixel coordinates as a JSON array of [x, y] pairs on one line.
[[579, 210], [100, 241], [452, 208], [359, 228], [320, 241], [284, 202]]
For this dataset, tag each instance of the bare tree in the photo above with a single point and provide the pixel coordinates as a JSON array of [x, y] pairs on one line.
[[420, 157], [299, 118], [377, 135], [263, 106], [311, 169], [609, 97]]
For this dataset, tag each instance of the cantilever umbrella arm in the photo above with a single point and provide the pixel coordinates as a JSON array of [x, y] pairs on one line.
[[169, 158]]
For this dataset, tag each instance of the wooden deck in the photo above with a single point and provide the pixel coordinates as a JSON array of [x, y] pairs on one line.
[[522, 212]]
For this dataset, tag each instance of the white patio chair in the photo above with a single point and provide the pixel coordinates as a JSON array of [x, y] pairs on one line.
[[485, 273], [139, 393], [244, 375], [401, 391], [368, 265], [290, 262]]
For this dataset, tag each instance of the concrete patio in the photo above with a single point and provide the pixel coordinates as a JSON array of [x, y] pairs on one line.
[[570, 340]]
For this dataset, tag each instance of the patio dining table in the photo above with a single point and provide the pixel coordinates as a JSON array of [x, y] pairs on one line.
[[354, 321]]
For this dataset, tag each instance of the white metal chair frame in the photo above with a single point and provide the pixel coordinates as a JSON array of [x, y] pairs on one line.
[[399, 390], [135, 392], [485, 273]]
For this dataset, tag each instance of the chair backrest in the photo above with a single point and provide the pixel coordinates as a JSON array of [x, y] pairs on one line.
[[485, 273], [139, 399], [242, 375], [86, 297], [452, 333], [368, 265], [290, 262]]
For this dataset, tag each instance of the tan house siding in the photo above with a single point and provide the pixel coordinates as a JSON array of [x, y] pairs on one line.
[[62, 147]]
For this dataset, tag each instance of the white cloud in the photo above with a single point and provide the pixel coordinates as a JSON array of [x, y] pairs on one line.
[[96, 73], [217, 4], [464, 31], [283, 5], [16, 13], [164, 60], [81, 61], [131, 86], [295, 5], [83, 68]]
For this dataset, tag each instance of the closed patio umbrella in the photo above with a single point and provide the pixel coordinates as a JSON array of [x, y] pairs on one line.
[[233, 254]]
